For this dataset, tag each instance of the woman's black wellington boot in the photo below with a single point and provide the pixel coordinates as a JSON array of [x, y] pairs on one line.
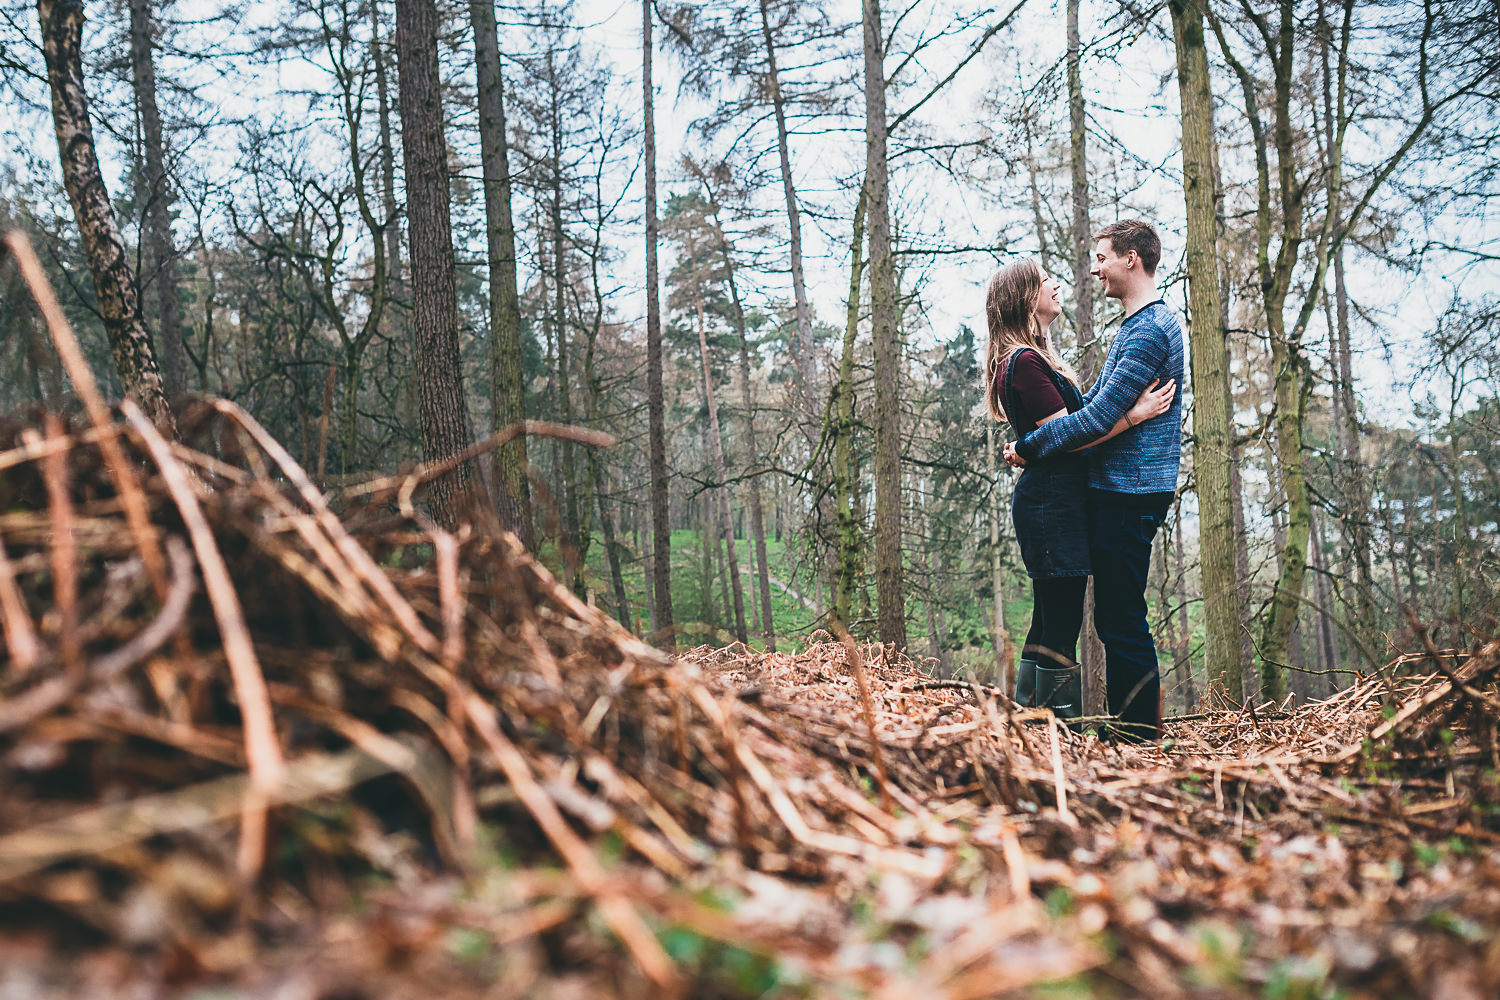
[[1060, 689], [1026, 673]]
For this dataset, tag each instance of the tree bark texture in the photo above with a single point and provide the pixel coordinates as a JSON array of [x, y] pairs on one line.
[[158, 203], [574, 512], [443, 410], [1250, 680], [1276, 281], [661, 537], [351, 82], [1328, 641], [1005, 666], [1286, 368], [1212, 428], [1038, 219], [721, 473], [889, 578], [114, 283], [806, 369], [611, 542], [1083, 243], [392, 228], [846, 525], [1184, 633], [757, 509], [507, 390], [1357, 525]]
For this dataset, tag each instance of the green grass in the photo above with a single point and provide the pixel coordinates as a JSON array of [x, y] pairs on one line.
[[702, 618]]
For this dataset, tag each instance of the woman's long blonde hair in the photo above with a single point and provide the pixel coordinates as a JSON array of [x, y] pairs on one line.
[[1010, 310]]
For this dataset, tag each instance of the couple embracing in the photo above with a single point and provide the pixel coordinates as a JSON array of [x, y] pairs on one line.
[[1100, 472]]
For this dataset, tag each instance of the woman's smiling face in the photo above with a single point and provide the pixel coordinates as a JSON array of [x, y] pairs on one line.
[[1048, 304]]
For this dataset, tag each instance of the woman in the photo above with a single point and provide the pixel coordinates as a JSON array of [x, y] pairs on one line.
[[1029, 383]]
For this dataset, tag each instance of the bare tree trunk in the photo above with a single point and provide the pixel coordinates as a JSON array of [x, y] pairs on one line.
[[1346, 410], [757, 511], [661, 537], [847, 527], [443, 408], [1286, 597], [392, 228], [1250, 680], [803, 349], [889, 582], [1298, 678], [1212, 428], [1390, 553], [1184, 630], [1091, 651], [1327, 638], [1275, 283], [1005, 667], [806, 369], [1037, 218], [158, 203], [573, 527], [114, 284], [1083, 244], [595, 466], [934, 644], [721, 473], [611, 544], [351, 83], [507, 391], [717, 566], [648, 559], [1158, 580]]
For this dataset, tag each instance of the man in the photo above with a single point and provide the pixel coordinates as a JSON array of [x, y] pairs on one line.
[[1133, 476]]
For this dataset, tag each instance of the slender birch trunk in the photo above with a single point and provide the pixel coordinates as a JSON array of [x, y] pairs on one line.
[[803, 351], [721, 473], [1328, 641], [1005, 668], [889, 576], [1212, 427], [1083, 243], [847, 527], [573, 510], [392, 228], [159, 200], [115, 285], [1184, 629], [1357, 526], [507, 390], [757, 509], [661, 538]]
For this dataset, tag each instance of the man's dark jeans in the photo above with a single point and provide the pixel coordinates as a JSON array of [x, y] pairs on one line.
[[1120, 535]]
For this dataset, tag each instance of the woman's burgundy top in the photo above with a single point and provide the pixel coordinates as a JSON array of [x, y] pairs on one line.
[[1035, 392]]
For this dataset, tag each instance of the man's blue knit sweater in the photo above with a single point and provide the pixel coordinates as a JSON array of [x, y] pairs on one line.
[[1145, 458]]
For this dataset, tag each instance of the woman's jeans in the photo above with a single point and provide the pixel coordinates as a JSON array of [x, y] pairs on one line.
[[1056, 620], [1120, 537]]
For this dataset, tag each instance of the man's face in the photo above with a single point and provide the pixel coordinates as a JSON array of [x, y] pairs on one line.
[[1111, 269]]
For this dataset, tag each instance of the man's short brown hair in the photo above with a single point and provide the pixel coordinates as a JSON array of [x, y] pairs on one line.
[[1134, 234]]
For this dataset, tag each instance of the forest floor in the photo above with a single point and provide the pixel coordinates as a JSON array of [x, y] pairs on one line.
[[255, 742]]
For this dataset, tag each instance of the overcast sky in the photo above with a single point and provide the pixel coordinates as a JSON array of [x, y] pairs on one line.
[[1132, 102]]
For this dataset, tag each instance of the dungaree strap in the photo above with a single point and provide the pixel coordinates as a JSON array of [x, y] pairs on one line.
[[1008, 388]]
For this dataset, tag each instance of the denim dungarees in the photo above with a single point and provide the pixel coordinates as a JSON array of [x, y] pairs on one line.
[[1050, 505]]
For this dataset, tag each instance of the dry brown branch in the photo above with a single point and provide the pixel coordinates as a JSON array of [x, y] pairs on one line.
[[108, 828], [261, 747], [834, 816]]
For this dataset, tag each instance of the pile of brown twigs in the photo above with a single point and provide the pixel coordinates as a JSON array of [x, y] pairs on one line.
[[252, 740]]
